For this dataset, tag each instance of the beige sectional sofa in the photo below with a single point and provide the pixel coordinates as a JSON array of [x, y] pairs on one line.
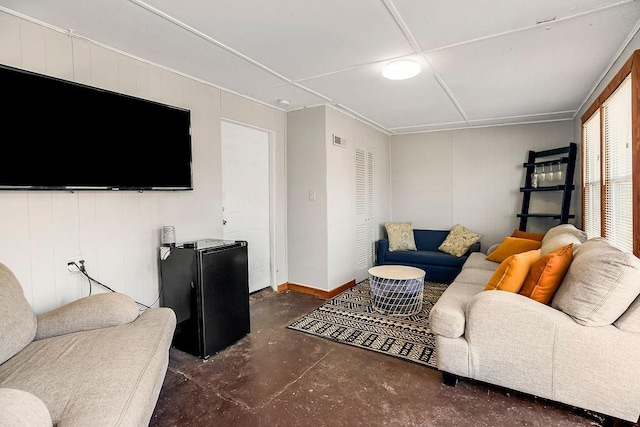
[[95, 362], [582, 349]]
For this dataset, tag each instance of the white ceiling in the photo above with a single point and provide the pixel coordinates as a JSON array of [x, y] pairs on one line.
[[484, 62]]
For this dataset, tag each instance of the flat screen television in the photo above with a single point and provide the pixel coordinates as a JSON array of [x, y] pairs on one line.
[[60, 135]]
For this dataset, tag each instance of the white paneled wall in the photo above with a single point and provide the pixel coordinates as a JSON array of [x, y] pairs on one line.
[[341, 192], [472, 177], [307, 219], [118, 233], [322, 231]]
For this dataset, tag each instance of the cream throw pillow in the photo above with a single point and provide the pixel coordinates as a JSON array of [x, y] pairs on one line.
[[400, 236], [459, 240], [560, 236], [564, 229], [560, 241], [601, 283]]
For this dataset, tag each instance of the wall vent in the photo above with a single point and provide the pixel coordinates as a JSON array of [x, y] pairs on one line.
[[340, 142]]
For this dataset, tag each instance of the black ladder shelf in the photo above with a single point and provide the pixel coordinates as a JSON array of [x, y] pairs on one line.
[[556, 156]]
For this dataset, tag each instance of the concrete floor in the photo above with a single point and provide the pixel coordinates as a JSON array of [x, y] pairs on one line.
[[280, 377]]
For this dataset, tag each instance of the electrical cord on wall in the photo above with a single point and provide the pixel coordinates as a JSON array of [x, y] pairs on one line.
[[83, 270]]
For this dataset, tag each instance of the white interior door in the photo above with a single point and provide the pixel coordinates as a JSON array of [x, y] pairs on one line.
[[364, 164], [246, 195]]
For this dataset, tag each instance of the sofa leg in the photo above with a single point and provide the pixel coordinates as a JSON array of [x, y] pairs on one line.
[[615, 422], [449, 379]]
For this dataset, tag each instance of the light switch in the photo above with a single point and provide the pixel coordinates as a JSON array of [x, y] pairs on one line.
[[312, 195]]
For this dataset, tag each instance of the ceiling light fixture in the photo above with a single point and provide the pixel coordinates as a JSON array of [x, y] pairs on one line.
[[401, 69]]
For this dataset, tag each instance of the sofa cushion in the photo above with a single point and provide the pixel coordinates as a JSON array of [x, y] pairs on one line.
[[400, 236], [429, 240], [601, 283], [426, 257], [546, 274], [479, 260], [16, 316], [630, 319], [459, 240], [510, 275], [527, 235], [511, 246], [474, 276]]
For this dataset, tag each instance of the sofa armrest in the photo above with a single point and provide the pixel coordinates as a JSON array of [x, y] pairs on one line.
[[382, 247], [21, 408], [447, 317], [92, 312], [512, 341], [474, 248]]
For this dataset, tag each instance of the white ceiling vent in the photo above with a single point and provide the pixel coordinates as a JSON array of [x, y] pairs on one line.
[[340, 142]]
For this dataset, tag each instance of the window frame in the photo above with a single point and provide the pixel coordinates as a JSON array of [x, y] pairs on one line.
[[630, 67], [590, 168]]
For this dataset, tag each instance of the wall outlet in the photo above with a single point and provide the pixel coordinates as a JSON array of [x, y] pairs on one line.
[[73, 265]]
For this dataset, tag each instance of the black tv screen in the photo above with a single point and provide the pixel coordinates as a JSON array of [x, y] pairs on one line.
[[61, 135]]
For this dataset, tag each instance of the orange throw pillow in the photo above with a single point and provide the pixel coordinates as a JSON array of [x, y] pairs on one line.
[[546, 274], [511, 246], [512, 271], [527, 235]]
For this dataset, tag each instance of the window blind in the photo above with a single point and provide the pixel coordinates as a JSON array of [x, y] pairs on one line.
[[618, 227], [591, 175]]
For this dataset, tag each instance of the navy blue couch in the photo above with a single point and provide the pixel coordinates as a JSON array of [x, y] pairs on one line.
[[439, 266]]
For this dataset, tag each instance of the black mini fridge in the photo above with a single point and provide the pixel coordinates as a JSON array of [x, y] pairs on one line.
[[206, 283]]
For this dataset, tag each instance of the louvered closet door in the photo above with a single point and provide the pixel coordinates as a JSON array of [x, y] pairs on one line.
[[364, 163]]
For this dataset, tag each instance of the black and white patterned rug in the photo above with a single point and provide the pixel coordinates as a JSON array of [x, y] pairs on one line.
[[349, 318]]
